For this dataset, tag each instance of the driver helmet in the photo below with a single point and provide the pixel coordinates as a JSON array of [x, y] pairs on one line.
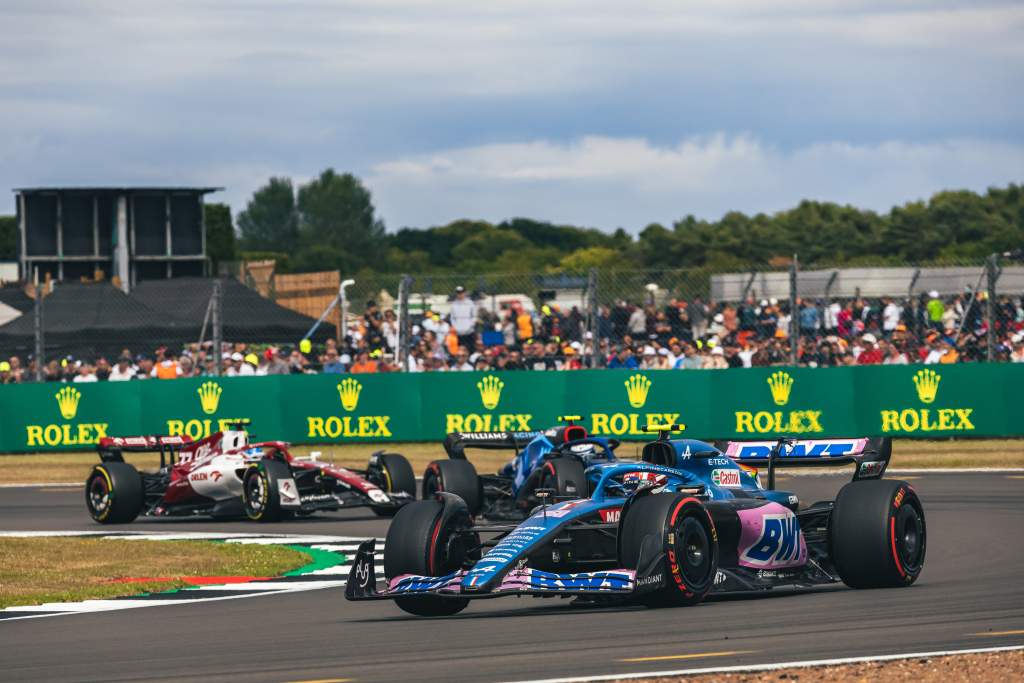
[[583, 450], [653, 479], [233, 440]]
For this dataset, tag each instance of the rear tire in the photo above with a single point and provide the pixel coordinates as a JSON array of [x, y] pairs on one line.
[[454, 476], [261, 498], [564, 475], [114, 493], [416, 544], [679, 526], [877, 534]]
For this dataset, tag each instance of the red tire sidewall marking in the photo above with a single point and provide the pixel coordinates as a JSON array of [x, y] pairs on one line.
[[898, 501], [432, 550], [674, 569]]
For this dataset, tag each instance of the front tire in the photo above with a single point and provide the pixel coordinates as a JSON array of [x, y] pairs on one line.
[[261, 496], [877, 534], [454, 476], [114, 493], [678, 528], [393, 474], [422, 540]]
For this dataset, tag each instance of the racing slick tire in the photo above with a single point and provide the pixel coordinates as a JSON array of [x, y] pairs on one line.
[[564, 475], [114, 493], [393, 473], [454, 476], [677, 529], [425, 541], [261, 498], [877, 534]]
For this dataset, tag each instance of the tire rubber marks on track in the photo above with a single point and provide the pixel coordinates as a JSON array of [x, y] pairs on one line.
[[332, 558]]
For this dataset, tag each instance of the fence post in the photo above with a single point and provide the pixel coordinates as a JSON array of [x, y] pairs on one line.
[[404, 285], [343, 303], [216, 319], [794, 317], [40, 342], [992, 271], [593, 320]]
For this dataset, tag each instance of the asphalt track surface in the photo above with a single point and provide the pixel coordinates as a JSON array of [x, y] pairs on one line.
[[972, 586]]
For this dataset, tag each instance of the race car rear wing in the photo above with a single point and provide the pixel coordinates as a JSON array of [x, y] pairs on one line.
[[871, 456], [111, 448], [456, 443]]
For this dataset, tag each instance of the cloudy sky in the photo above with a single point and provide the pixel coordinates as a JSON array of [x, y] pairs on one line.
[[603, 113]]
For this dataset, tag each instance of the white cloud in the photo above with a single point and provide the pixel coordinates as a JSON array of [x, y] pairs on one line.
[[457, 46], [629, 182], [547, 102]]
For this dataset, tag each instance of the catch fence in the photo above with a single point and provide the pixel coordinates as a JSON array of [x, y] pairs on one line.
[[776, 314]]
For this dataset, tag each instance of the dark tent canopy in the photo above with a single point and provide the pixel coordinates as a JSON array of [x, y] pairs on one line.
[[247, 316], [15, 297], [91, 319]]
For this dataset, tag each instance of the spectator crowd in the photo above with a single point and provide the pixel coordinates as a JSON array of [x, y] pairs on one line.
[[678, 334]]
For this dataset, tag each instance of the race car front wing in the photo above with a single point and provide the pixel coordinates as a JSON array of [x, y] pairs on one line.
[[362, 584]]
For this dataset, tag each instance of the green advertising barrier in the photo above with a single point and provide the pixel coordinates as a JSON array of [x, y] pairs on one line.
[[906, 401]]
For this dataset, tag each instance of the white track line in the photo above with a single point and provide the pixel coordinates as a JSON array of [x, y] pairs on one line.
[[55, 484], [230, 537], [955, 470], [801, 664], [332, 577]]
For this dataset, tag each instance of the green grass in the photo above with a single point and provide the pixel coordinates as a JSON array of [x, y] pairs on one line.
[[34, 571]]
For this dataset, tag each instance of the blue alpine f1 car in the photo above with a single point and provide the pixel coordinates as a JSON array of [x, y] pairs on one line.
[[688, 520], [553, 459]]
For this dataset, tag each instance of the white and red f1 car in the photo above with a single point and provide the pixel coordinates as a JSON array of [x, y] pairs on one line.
[[224, 475]]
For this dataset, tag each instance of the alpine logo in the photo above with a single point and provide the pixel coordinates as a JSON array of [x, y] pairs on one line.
[[363, 572]]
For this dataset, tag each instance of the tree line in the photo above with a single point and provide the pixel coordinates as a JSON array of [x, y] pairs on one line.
[[330, 223]]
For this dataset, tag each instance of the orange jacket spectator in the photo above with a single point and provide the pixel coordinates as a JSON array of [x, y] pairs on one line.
[[524, 326], [451, 341], [363, 364], [167, 369]]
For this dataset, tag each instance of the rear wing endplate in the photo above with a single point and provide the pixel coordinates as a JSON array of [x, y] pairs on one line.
[[110, 448]]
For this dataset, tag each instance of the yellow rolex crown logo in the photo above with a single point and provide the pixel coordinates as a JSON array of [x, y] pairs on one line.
[[490, 391], [67, 401], [927, 384], [209, 397], [637, 387], [781, 383], [349, 390]]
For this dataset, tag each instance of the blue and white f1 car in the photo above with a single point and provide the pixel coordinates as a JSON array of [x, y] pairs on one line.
[[688, 520], [554, 459]]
